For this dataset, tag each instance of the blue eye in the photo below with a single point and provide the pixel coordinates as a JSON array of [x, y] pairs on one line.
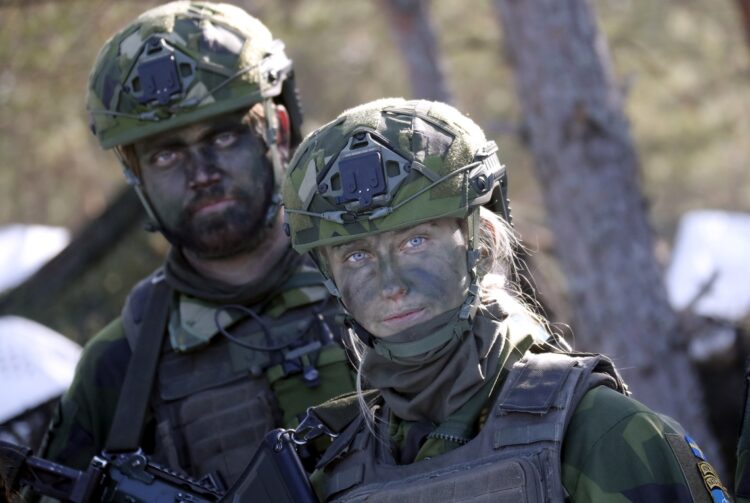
[[225, 139], [415, 241], [356, 257], [164, 158]]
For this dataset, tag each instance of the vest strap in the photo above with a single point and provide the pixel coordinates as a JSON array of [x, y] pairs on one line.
[[128, 422], [535, 386], [338, 413], [530, 434], [136, 305], [302, 280], [341, 443]]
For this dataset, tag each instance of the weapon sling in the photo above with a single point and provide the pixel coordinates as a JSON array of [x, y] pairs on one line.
[[128, 422]]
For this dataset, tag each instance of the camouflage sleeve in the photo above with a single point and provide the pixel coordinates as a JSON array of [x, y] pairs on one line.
[[81, 423], [617, 450], [742, 475]]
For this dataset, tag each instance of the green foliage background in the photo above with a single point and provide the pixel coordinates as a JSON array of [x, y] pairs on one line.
[[683, 65]]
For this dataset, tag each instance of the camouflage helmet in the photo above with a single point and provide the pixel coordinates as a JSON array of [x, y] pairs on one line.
[[184, 62], [387, 165]]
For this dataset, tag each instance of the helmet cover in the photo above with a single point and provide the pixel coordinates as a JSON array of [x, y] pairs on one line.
[[184, 62], [386, 165]]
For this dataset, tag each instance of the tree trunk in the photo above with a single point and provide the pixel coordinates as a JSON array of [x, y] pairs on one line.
[[410, 25], [744, 8], [587, 165]]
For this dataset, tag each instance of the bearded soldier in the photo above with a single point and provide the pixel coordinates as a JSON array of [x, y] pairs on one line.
[[471, 399], [232, 336]]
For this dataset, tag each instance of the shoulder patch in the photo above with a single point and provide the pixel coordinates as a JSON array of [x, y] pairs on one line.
[[701, 477]]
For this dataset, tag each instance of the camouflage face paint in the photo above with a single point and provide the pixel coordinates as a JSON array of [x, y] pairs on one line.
[[394, 280], [210, 184]]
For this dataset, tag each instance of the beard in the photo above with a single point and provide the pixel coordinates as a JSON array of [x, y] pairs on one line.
[[239, 228]]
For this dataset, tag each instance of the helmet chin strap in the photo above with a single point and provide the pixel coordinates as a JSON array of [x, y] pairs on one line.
[[272, 141], [327, 280], [469, 307], [152, 221]]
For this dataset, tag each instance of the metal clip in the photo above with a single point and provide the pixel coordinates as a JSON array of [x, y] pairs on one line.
[[311, 427]]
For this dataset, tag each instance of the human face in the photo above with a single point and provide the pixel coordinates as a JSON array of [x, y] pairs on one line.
[[210, 184], [394, 280]]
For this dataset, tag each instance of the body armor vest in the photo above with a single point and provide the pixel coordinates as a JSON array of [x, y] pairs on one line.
[[212, 406], [515, 458]]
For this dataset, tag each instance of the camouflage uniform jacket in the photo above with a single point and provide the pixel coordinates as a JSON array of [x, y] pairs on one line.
[[213, 399], [742, 474], [614, 449]]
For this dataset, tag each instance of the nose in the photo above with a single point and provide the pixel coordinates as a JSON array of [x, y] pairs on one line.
[[392, 286], [205, 171]]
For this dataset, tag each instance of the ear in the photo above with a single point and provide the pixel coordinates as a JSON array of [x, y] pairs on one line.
[[284, 132], [485, 262]]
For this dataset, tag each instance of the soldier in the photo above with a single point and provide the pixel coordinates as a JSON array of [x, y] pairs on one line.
[[199, 104], [471, 399]]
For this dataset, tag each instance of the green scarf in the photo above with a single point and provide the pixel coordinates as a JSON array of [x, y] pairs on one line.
[[185, 279], [432, 385], [417, 441]]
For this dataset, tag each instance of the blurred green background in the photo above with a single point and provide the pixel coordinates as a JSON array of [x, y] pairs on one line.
[[683, 65]]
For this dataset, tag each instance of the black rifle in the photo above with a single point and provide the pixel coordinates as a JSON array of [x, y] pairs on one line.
[[275, 474], [127, 477]]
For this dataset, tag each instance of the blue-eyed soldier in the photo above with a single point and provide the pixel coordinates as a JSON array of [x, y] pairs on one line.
[[403, 204]]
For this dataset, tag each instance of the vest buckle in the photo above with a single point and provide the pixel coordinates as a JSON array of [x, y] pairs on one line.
[[311, 427]]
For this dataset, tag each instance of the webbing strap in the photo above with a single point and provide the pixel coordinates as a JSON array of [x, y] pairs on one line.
[[128, 422], [302, 279], [338, 413], [536, 383]]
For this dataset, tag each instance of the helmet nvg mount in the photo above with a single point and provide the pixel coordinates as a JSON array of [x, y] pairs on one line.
[[185, 62], [391, 164]]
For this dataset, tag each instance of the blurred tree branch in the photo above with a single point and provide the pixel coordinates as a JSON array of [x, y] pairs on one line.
[[410, 25], [100, 236]]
